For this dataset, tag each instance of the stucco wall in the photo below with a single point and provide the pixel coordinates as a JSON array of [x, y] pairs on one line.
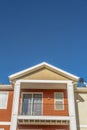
[[81, 110], [43, 74]]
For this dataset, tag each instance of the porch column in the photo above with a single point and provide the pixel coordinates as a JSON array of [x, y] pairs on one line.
[[71, 106], [15, 106]]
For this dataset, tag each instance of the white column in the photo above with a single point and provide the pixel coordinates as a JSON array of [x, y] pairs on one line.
[[15, 106], [71, 106]]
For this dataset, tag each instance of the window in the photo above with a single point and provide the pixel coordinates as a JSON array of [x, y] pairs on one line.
[[3, 100], [59, 101], [32, 104]]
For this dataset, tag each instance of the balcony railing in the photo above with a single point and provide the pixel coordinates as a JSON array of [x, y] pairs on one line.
[[38, 109]]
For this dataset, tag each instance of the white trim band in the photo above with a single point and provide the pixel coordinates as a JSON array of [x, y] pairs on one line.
[[5, 123], [44, 81], [45, 117], [83, 126]]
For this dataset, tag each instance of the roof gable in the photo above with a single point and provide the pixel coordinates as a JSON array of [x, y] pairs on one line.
[[42, 69]]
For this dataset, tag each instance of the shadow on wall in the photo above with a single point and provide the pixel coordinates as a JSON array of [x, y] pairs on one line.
[[78, 99]]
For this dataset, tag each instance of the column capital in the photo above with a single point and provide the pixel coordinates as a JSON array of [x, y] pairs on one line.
[[17, 83], [69, 83]]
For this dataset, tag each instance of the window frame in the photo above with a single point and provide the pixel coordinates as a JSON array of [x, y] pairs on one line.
[[60, 100], [6, 101], [32, 94]]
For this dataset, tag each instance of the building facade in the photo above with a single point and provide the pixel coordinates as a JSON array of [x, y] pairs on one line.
[[43, 97]]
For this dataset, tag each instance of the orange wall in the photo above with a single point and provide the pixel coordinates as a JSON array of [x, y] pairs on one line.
[[48, 101], [5, 127], [43, 127], [5, 114]]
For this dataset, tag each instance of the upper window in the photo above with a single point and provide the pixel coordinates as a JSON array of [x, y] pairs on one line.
[[3, 100], [32, 104], [59, 101]]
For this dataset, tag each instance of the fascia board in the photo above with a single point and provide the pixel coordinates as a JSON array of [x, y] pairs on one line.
[[6, 87]]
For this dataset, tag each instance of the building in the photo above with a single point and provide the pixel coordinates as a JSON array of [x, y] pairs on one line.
[[43, 97]]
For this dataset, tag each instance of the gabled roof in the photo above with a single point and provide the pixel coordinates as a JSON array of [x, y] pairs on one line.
[[42, 65]]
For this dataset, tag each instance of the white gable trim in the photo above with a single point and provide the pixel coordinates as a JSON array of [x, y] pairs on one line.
[[43, 64], [44, 81]]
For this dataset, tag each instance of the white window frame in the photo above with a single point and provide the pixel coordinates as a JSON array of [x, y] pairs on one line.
[[60, 100], [6, 101], [32, 94]]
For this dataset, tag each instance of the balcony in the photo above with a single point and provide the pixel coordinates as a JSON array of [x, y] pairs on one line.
[[43, 108], [53, 104], [40, 113]]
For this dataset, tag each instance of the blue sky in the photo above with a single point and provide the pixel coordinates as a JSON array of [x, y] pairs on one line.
[[33, 31]]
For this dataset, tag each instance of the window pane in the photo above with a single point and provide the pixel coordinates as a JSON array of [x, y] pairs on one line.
[[27, 100], [59, 105], [37, 104], [59, 95]]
